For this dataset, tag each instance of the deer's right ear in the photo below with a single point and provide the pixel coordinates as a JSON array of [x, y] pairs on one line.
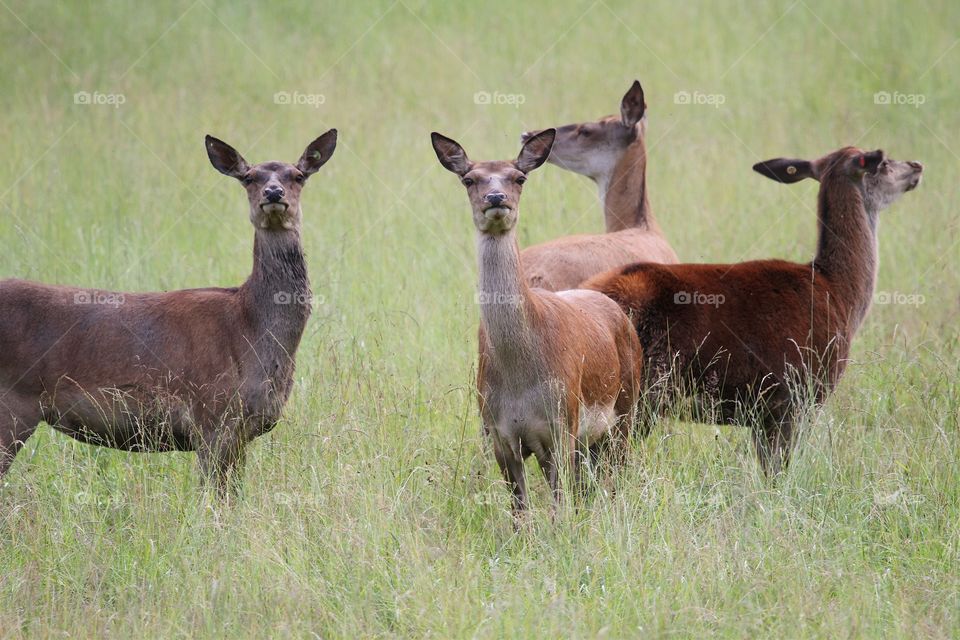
[[786, 170], [451, 154], [225, 158], [633, 105]]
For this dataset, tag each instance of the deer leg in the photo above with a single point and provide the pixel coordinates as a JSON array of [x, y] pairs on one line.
[[610, 453], [221, 457], [599, 453], [209, 471], [547, 457], [576, 449], [230, 460], [773, 440], [619, 441], [511, 466], [15, 428]]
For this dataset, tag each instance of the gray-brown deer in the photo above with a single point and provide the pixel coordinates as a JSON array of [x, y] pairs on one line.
[[557, 371], [203, 370], [613, 153], [759, 341]]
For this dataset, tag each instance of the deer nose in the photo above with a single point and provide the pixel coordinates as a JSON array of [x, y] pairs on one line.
[[916, 165], [495, 199], [273, 193]]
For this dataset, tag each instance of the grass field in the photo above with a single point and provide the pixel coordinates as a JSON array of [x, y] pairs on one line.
[[374, 509]]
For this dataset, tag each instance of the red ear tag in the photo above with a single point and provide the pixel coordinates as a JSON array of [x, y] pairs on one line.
[[863, 161]]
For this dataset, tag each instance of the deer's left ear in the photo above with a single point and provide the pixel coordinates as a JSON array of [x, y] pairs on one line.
[[317, 153], [536, 150], [786, 170]]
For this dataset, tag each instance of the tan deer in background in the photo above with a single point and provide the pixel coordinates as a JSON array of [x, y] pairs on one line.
[[612, 152]]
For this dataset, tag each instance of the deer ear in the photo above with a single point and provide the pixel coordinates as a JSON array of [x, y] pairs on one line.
[[536, 150], [786, 170], [317, 153], [633, 106], [451, 154], [869, 162], [225, 158]]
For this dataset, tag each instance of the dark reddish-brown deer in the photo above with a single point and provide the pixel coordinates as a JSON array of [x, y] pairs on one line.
[[203, 370], [558, 371], [612, 152], [759, 341]]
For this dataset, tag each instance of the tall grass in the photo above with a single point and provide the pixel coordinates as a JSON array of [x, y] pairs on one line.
[[374, 508]]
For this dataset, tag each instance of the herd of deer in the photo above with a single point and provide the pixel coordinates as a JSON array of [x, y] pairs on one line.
[[582, 341]]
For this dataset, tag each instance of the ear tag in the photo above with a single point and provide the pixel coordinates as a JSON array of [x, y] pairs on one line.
[[863, 161], [791, 170], [316, 155]]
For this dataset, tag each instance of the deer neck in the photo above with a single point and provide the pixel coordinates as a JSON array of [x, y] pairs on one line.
[[847, 252], [624, 192], [506, 305], [277, 295]]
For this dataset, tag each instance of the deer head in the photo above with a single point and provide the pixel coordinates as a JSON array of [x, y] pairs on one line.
[[593, 148], [273, 188], [494, 187], [880, 180]]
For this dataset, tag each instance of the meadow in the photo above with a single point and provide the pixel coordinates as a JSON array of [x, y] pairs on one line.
[[374, 509]]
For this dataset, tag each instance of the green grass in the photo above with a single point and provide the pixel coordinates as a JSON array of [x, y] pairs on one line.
[[374, 508]]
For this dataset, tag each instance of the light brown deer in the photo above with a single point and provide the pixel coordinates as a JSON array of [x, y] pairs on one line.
[[203, 370], [558, 371], [759, 341], [612, 152]]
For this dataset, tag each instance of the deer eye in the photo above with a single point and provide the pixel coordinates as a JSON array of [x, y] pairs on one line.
[[247, 180], [468, 182], [299, 179], [583, 132], [521, 179]]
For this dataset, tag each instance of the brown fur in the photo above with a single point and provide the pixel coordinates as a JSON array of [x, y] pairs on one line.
[[757, 340], [612, 151], [546, 359], [203, 370]]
